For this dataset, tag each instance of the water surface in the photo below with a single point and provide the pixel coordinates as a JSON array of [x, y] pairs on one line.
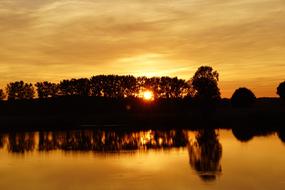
[[149, 159]]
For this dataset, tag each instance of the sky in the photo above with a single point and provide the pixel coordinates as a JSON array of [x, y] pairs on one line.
[[244, 40]]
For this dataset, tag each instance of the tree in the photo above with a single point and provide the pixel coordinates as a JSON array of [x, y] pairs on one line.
[[75, 87], [81, 86], [243, 97], [205, 84], [172, 87], [281, 90], [47, 89], [2, 94], [19, 90], [96, 85], [129, 86]]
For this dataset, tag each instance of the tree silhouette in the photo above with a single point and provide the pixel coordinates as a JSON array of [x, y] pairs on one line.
[[2, 94], [81, 86], [153, 85], [75, 87], [243, 97], [172, 87], [115, 86], [19, 90], [47, 89], [205, 84], [281, 90], [129, 86], [96, 86], [109, 86]]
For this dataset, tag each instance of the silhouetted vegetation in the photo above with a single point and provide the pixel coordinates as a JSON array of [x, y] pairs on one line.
[[115, 86], [2, 95], [243, 97], [114, 99], [19, 90], [281, 90], [47, 89], [75, 87], [205, 84], [108, 86]]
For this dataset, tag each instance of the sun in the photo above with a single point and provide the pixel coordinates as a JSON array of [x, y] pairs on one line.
[[148, 95]]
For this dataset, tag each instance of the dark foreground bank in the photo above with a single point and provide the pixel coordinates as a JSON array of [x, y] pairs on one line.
[[90, 112]]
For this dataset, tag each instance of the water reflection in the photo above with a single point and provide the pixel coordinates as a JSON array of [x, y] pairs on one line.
[[205, 153], [242, 134], [112, 141], [111, 158], [204, 148], [1, 141], [21, 142], [115, 141], [281, 135], [246, 134]]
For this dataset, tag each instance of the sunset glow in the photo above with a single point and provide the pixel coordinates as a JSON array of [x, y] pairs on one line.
[[148, 95], [60, 39]]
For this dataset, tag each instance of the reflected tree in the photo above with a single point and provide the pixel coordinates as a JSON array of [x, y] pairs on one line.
[[47, 141], [21, 142], [281, 135], [113, 141], [243, 134], [2, 138], [205, 154]]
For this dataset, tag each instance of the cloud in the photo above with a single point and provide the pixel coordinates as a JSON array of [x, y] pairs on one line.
[[53, 39]]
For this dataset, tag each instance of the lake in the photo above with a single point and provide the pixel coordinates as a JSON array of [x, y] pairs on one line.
[[147, 159]]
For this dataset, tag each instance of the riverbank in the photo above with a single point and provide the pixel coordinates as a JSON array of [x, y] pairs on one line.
[[70, 114]]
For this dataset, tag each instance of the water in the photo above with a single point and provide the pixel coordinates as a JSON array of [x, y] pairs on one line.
[[150, 159]]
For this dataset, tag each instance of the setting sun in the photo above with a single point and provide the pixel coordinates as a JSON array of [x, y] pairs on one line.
[[148, 95]]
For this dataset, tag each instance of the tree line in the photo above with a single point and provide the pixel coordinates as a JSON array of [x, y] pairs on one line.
[[110, 86], [203, 86]]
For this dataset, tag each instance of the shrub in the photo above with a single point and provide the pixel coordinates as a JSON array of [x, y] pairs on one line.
[[243, 97]]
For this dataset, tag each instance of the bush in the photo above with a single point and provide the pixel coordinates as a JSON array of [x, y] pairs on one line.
[[243, 97]]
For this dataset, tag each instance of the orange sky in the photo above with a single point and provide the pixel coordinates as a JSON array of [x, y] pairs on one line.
[[55, 39]]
